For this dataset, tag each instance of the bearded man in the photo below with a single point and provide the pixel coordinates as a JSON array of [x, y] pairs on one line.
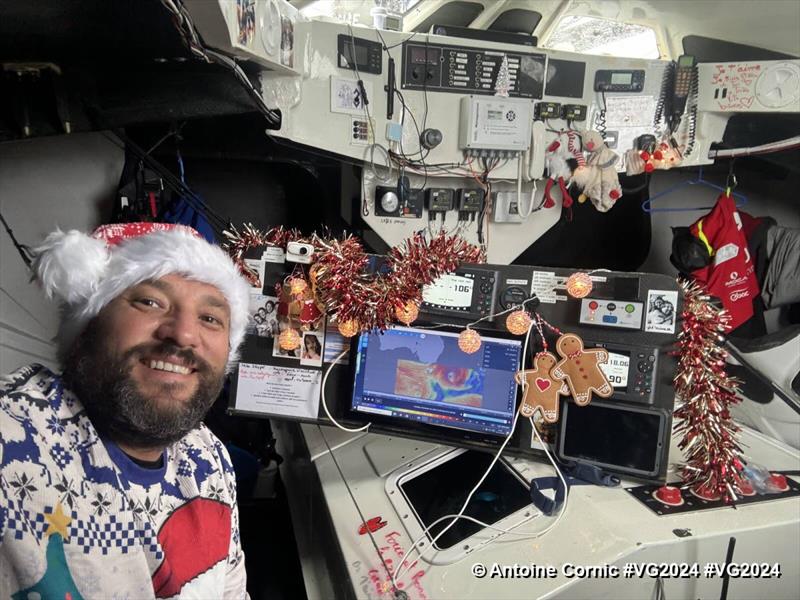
[[111, 485]]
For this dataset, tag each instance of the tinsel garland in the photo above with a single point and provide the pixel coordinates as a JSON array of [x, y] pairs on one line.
[[239, 243], [338, 271], [713, 457]]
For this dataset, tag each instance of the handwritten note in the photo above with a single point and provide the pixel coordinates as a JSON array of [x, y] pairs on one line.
[[630, 111], [281, 391], [373, 581], [735, 85]]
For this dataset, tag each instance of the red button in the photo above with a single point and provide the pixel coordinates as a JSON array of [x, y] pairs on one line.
[[746, 488], [669, 495], [779, 481], [593, 305], [705, 493]]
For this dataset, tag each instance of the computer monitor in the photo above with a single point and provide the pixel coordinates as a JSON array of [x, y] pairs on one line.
[[407, 375]]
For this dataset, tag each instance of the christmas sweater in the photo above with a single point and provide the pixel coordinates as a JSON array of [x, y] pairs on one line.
[[80, 519]]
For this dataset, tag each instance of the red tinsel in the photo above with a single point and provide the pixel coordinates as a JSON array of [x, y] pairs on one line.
[[713, 457], [239, 243], [338, 276]]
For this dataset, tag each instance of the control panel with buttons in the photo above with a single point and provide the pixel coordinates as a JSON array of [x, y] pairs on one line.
[[469, 293], [621, 314], [672, 499], [631, 370], [641, 387], [469, 70]]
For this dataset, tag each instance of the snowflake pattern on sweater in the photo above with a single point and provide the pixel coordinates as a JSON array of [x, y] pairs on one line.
[[80, 519]]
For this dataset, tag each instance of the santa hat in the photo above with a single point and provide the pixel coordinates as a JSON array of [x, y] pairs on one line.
[[86, 272]]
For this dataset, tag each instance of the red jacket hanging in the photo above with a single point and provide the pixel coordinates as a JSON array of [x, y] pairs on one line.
[[731, 276]]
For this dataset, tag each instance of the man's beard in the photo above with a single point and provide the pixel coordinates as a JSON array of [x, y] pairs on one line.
[[115, 404]]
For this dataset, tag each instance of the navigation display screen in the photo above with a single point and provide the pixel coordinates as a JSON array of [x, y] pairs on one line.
[[422, 375], [449, 291], [612, 436], [355, 54], [616, 369]]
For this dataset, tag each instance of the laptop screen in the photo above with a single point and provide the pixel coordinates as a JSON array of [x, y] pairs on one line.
[[422, 375]]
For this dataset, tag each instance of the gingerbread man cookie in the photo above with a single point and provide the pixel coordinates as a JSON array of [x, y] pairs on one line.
[[541, 389], [581, 369]]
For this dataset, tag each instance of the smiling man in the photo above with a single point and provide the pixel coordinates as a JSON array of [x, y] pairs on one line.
[[111, 485]]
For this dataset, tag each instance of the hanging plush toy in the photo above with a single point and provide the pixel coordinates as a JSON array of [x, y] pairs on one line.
[[666, 157], [646, 160], [602, 185], [558, 173]]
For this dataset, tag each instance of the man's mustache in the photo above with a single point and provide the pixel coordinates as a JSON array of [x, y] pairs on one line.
[[166, 351]]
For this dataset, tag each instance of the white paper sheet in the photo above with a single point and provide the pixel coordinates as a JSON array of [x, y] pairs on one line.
[[280, 391]]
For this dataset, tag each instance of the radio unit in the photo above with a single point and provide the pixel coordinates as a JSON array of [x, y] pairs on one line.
[[467, 294], [619, 80]]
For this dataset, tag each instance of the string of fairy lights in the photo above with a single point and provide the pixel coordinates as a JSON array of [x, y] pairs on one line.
[[518, 321]]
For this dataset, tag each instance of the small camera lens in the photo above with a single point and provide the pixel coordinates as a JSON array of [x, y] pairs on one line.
[[302, 250]]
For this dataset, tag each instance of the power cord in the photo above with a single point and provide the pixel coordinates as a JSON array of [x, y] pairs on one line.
[[600, 118], [325, 401], [485, 475], [399, 572], [24, 251]]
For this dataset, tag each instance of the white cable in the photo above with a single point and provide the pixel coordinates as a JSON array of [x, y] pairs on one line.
[[388, 164], [519, 188], [534, 189], [531, 200], [325, 402], [468, 518], [488, 470], [526, 535], [763, 149]]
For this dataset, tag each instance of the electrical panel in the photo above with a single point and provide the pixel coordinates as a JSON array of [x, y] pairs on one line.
[[573, 112], [495, 123], [470, 201], [394, 202], [470, 70], [439, 199], [548, 110]]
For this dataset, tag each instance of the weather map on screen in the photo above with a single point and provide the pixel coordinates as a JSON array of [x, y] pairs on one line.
[[456, 385], [424, 376]]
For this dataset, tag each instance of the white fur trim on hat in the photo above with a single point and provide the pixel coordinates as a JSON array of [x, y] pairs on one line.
[[69, 265], [85, 275]]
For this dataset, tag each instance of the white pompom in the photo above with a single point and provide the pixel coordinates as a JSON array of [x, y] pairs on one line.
[[70, 265]]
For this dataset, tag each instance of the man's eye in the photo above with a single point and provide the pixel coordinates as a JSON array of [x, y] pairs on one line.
[[211, 319], [149, 302]]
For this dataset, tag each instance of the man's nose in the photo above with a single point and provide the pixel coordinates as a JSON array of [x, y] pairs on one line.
[[179, 327]]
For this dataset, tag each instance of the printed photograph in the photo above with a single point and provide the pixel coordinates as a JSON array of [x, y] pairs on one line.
[[311, 349], [263, 315], [661, 311]]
